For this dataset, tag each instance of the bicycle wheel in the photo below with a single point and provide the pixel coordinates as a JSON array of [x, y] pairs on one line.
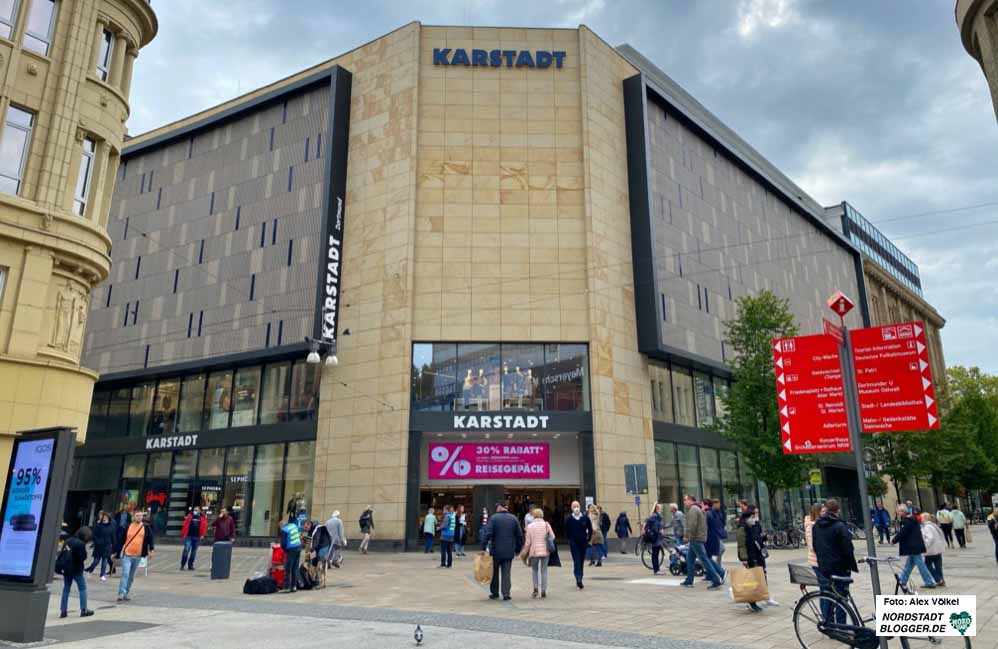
[[950, 642], [646, 557], [780, 539], [795, 539], [808, 613]]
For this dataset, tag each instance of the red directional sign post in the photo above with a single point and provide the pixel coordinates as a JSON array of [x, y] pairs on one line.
[[810, 395], [893, 378]]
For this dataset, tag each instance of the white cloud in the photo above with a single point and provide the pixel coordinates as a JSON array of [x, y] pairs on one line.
[[765, 14]]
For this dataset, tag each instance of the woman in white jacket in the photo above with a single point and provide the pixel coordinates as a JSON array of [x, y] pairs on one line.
[[935, 544]]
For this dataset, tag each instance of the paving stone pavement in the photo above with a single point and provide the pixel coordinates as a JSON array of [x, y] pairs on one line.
[[622, 604]]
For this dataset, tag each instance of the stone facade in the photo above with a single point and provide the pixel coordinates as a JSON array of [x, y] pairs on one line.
[[51, 254], [977, 21]]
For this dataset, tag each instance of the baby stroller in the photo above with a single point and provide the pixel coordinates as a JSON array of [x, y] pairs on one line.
[[677, 561]]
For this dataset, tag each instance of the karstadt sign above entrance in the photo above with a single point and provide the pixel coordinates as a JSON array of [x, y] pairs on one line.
[[498, 58]]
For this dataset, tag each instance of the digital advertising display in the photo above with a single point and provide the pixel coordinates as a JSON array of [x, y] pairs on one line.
[[24, 506]]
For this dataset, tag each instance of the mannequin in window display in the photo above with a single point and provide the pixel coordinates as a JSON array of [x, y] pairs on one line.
[[481, 389], [508, 387], [519, 387], [468, 390], [530, 384]]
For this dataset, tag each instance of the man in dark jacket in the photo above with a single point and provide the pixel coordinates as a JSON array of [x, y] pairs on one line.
[[225, 526], [911, 544], [505, 536], [77, 546], [716, 533], [836, 558], [105, 537], [578, 530], [623, 529], [193, 530], [604, 526], [653, 533]]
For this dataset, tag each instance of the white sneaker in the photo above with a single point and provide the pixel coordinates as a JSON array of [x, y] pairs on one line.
[[103, 578], [772, 602]]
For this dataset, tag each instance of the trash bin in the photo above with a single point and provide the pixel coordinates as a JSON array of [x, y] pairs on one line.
[[221, 559]]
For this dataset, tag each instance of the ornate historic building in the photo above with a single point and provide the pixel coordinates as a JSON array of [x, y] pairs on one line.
[[66, 67], [978, 23]]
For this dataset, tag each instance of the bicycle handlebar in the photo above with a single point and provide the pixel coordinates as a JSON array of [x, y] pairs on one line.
[[873, 560]]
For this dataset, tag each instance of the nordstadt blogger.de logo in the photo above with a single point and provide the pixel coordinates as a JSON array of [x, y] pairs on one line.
[[920, 615]]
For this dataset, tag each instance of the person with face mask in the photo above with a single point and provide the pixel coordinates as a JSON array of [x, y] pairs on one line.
[[193, 531], [750, 544], [579, 531]]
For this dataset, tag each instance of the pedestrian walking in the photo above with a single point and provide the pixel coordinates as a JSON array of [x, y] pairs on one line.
[[461, 532], [945, 519], [73, 573], [836, 557], [505, 537], [136, 543], [716, 533], [993, 528], [817, 509], [193, 530], [678, 523], [959, 526], [366, 528], [751, 549], [653, 535], [224, 527], [910, 544], [882, 522], [578, 531], [429, 529], [596, 540], [935, 545], [448, 528], [539, 539], [696, 539], [485, 522], [604, 528], [623, 529], [291, 543], [338, 539], [104, 538]]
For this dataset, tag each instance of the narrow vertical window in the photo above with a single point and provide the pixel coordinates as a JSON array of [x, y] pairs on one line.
[[266, 340], [291, 176], [280, 331], [135, 312], [307, 147], [699, 299], [105, 54], [201, 253], [8, 16], [190, 323], [239, 210], [318, 146], [149, 189], [159, 197], [291, 246], [39, 26], [284, 113], [138, 266], [665, 308], [124, 236], [190, 148], [263, 234], [124, 169], [14, 146], [127, 313], [273, 233], [200, 322], [211, 205], [83, 177], [176, 279], [271, 138], [252, 286], [142, 184], [145, 363], [107, 302]]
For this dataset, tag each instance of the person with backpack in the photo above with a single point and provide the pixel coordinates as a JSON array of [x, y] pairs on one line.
[[653, 536], [291, 543], [623, 529], [70, 563], [366, 528], [193, 530], [136, 543], [448, 526]]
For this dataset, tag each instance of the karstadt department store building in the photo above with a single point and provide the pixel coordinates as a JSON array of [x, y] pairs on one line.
[[523, 244]]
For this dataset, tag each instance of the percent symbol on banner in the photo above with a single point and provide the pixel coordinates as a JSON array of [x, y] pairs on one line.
[[460, 467]]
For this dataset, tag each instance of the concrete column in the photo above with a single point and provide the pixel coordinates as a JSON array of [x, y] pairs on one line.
[[118, 60], [126, 75], [95, 50]]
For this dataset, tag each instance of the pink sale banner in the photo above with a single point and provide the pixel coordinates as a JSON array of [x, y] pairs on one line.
[[509, 461]]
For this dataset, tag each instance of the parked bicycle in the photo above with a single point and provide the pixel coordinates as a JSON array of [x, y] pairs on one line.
[[823, 620], [791, 536]]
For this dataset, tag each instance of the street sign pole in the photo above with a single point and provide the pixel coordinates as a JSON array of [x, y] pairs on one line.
[[856, 433]]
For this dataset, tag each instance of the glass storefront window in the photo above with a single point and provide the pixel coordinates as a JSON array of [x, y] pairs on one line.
[[703, 390], [98, 473], [689, 471], [117, 413], [181, 488], [191, 403], [518, 363], [730, 480], [208, 489], [128, 495], [265, 512], [219, 397], [140, 412], [661, 392], [665, 474], [275, 402], [164, 414], [135, 466], [298, 474], [564, 378], [246, 392], [304, 391], [235, 494], [722, 391], [682, 384], [159, 464], [434, 376], [480, 385], [97, 424], [211, 462], [710, 473]]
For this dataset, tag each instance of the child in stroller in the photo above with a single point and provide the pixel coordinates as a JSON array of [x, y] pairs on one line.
[[677, 561]]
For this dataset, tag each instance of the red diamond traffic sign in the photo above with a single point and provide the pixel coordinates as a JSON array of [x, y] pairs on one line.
[[840, 304]]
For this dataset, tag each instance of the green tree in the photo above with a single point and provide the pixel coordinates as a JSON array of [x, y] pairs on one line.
[[751, 420]]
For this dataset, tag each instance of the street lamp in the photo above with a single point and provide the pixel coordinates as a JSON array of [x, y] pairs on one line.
[[318, 347]]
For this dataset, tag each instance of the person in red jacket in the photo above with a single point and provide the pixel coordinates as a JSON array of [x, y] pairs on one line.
[[193, 531]]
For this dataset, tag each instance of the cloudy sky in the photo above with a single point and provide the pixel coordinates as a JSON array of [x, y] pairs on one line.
[[876, 103]]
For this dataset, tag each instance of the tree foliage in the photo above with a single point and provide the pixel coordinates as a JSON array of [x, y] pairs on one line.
[[752, 421]]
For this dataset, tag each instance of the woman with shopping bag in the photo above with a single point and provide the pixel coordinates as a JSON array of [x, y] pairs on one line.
[[748, 584]]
